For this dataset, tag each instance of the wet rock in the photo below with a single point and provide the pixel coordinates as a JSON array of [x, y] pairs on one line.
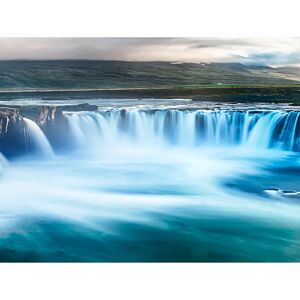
[[123, 124], [14, 138], [55, 125], [13, 134], [51, 119], [293, 194], [278, 193], [81, 107]]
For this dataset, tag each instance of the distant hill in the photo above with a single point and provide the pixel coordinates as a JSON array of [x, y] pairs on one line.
[[70, 74]]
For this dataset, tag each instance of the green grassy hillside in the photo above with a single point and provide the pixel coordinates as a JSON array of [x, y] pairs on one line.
[[15, 75]]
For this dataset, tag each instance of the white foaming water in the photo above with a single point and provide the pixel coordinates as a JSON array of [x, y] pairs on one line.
[[187, 128], [38, 139], [3, 163], [154, 169], [161, 152], [117, 183]]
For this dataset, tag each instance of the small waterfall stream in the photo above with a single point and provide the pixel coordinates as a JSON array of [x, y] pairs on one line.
[[37, 139], [3, 163]]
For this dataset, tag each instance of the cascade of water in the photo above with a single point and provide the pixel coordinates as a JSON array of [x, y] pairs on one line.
[[3, 163], [258, 129], [262, 132], [288, 132], [37, 139]]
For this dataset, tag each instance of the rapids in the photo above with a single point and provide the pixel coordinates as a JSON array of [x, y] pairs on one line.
[[157, 184]]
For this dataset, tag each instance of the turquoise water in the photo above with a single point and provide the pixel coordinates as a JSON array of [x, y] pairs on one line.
[[157, 181], [135, 204]]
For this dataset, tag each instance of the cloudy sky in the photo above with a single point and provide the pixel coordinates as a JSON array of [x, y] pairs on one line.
[[259, 51]]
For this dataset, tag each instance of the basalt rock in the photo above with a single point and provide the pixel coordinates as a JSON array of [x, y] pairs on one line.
[[54, 124], [13, 135]]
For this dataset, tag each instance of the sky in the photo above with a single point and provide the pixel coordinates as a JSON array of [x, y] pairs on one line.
[[253, 51]]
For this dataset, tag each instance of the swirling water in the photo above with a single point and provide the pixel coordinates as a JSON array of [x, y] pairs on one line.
[[158, 185]]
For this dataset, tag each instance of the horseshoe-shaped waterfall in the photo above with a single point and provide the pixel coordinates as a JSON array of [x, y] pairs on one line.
[[154, 184]]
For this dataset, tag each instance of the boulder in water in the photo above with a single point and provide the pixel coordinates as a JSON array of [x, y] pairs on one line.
[[278, 193]]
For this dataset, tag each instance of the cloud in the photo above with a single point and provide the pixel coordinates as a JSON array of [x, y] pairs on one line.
[[251, 50], [217, 43], [272, 58]]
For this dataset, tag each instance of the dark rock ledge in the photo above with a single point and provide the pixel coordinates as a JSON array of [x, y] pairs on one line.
[[14, 137], [12, 132]]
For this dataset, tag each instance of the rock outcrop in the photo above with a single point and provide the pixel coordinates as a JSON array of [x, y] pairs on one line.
[[14, 138], [54, 124], [12, 132]]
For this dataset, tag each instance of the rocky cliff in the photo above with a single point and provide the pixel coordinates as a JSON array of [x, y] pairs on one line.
[[14, 135], [12, 132]]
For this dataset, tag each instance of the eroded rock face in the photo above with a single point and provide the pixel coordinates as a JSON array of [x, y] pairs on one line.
[[54, 124], [13, 135]]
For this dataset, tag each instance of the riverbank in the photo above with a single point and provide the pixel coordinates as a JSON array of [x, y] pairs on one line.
[[224, 93]]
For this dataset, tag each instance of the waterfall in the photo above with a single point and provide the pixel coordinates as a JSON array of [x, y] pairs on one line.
[[37, 141], [187, 128], [262, 133], [3, 163]]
